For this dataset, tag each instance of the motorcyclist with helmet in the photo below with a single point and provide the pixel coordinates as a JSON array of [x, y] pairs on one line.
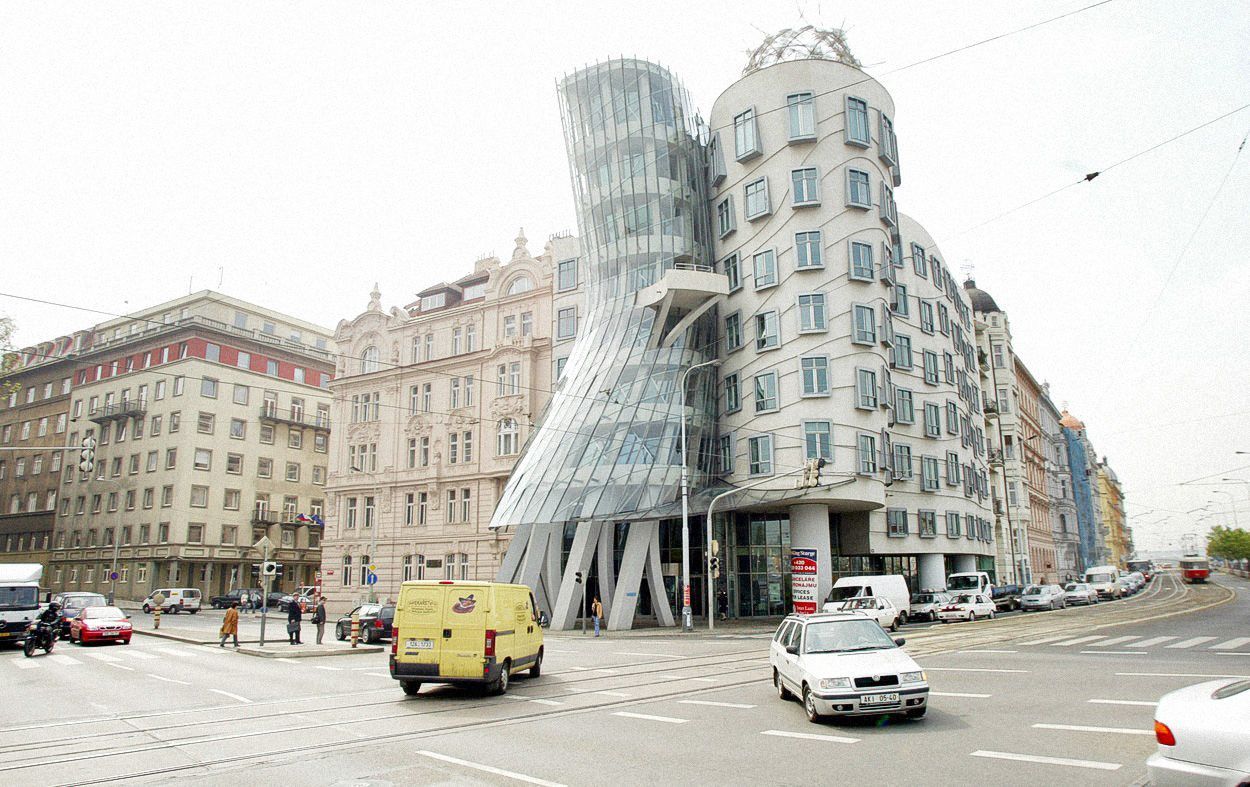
[[49, 622]]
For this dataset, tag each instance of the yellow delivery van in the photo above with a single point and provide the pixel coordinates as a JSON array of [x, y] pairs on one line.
[[464, 632]]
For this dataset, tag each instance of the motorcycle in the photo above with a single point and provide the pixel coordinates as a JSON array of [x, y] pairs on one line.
[[39, 635]]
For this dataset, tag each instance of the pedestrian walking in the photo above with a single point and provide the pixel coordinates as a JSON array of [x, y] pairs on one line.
[[319, 619], [596, 613], [293, 617], [230, 625]]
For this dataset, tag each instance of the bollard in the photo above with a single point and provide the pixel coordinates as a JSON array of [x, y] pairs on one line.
[[156, 619], [355, 627]]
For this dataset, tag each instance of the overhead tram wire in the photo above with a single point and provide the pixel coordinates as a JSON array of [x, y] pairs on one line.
[[1097, 173]]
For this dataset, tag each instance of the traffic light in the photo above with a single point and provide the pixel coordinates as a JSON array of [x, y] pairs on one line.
[[269, 568], [86, 456], [577, 577], [713, 565]]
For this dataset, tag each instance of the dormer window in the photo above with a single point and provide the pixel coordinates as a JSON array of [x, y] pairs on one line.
[[435, 301]]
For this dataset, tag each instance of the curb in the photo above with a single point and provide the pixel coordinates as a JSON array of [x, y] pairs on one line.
[[297, 654]]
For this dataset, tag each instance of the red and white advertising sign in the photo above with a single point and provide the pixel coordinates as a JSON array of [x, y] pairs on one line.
[[803, 581]]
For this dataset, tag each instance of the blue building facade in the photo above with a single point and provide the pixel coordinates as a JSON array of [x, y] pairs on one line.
[[1083, 493]]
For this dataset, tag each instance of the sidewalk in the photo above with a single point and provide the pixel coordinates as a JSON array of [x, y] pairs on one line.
[[754, 627], [203, 627]]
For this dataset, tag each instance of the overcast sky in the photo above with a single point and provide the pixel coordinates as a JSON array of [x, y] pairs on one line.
[[297, 152]]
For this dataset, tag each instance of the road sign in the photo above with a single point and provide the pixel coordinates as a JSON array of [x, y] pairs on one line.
[[113, 575], [263, 545], [371, 578]]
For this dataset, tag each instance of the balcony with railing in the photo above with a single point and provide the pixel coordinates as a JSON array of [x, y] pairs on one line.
[[118, 411], [295, 416], [216, 325]]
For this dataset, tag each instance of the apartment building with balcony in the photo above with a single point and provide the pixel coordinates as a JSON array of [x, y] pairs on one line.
[[1064, 526], [34, 433], [1033, 444], [212, 422], [433, 402]]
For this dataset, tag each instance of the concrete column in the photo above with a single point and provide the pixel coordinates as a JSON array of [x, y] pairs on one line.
[[809, 529], [569, 601], [964, 563], [606, 564], [932, 571]]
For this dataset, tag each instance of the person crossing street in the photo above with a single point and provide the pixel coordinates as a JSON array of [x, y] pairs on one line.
[[230, 625]]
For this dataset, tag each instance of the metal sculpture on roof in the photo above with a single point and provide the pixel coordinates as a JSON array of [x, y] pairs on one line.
[[803, 43]]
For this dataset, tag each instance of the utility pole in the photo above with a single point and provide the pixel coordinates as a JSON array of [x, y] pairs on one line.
[[687, 617], [264, 545]]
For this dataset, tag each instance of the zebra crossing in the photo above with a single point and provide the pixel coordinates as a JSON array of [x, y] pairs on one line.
[[78, 656], [1141, 642]]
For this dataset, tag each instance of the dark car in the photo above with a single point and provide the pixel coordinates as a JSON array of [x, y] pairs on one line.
[[240, 595], [72, 604], [1006, 597], [376, 622]]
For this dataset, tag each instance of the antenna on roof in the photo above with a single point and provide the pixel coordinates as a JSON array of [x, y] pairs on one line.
[[969, 269]]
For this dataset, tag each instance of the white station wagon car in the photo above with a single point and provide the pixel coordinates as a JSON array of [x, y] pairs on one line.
[[843, 664], [878, 608], [967, 606], [1203, 732]]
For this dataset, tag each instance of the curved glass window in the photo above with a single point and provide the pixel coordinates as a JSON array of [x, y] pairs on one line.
[[519, 285], [369, 360]]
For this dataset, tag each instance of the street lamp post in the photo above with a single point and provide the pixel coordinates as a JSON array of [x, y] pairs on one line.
[[687, 620]]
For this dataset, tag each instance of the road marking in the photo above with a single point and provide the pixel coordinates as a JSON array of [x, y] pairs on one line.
[[1124, 702], [101, 656], [167, 680], [287, 660], [1002, 755], [177, 652], [809, 736], [138, 654], [121, 666], [715, 704], [1177, 675], [377, 674], [973, 669], [332, 669], [612, 693], [26, 664], [1231, 644], [713, 680], [231, 696], [553, 650], [1116, 652], [1045, 640], [546, 702], [989, 651], [1077, 641], [489, 769], [1150, 643], [1189, 643], [657, 655], [647, 717], [62, 659], [606, 671], [1229, 653], [957, 694], [1083, 728], [1117, 641]]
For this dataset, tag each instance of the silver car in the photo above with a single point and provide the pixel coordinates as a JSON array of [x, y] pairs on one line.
[[1042, 597], [1080, 593], [925, 606]]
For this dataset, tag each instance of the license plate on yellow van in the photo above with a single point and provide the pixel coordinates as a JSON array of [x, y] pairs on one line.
[[420, 644]]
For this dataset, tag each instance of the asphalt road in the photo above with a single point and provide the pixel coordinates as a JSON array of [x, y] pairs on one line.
[[1064, 697]]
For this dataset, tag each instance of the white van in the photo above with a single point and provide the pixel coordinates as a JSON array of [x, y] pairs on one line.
[[19, 599], [1105, 580], [970, 582], [176, 600], [889, 586]]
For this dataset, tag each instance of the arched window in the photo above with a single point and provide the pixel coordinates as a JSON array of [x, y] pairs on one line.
[[347, 570], [414, 567], [509, 437], [519, 285], [364, 569], [369, 360]]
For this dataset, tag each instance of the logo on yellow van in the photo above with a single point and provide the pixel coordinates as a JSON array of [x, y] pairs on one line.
[[464, 605]]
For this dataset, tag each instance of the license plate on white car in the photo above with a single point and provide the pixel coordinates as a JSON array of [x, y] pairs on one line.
[[420, 644], [878, 699]]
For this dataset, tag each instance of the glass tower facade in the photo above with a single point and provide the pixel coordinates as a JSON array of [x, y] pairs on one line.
[[608, 446]]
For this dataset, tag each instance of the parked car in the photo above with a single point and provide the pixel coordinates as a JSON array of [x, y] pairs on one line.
[[1203, 732], [1080, 593], [100, 624], [73, 603], [303, 594], [176, 600], [1006, 597], [376, 622], [967, 606], [1128, 585], [840, 664], [1042, 597], [238, 595], [1139, 578], [924, 606], [879, 609], [887, 586]]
